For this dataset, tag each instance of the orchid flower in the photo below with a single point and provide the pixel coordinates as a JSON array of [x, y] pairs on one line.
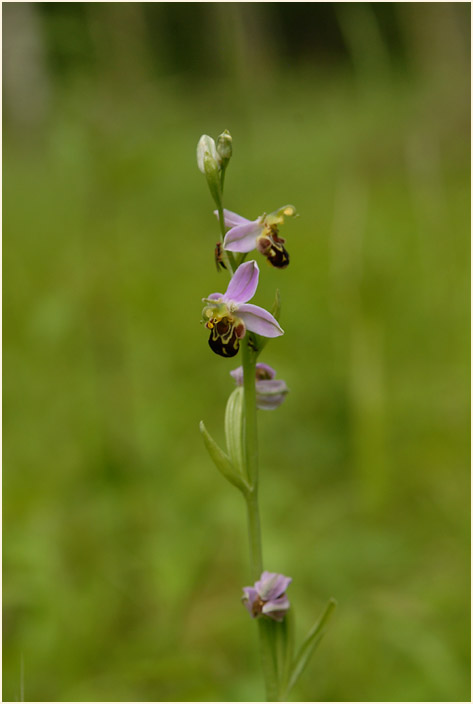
[[228, 315], [268, 596], [270, 392], [261, 234]]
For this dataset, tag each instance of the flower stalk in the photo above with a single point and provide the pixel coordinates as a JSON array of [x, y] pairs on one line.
[[235, 324], [227, 257], [250, 439], [251, 428]]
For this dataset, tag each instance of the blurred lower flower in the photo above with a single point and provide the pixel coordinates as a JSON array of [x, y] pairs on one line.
[[268, 596], [270, 392]]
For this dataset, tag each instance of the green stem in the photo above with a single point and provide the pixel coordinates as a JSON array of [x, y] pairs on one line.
[[222, 177], [251, 430], [254, 534], [254, 530], [250, 443], [268, 659], [228, 258]]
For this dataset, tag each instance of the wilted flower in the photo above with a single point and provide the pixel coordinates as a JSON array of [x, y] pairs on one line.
[[268, 596], [228, 315], [270, 392], [261, 234]]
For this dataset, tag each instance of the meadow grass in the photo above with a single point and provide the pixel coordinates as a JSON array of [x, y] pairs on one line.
[[124, 550]]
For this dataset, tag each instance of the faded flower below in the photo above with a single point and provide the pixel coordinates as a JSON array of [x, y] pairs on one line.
[[228, 315], [268, 596], [262, 234], [270, 392]]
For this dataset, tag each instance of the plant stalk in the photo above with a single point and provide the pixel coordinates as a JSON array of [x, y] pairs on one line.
[[250, 440], [228, 258], [250, 448]]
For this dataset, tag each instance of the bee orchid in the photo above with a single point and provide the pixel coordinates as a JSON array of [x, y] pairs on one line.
[[229, 315], [270, 392], [261, 234], [268, 596]]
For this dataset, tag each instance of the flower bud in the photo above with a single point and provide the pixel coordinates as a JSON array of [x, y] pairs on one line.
[[212, 173], [207, 151], [224, 147]]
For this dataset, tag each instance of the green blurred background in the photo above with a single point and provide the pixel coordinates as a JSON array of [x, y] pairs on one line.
[[124, 550]]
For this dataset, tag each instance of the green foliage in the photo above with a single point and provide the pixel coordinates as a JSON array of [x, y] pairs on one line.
[[234, 430], [308, 647], [221, 460]]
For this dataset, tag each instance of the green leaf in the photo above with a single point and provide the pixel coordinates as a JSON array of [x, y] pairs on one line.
[[307, 648], [268, 652], [222, 461], [234, 429], [285, 650]]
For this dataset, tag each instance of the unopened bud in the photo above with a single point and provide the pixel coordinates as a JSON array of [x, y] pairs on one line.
[[224, 146], [206, 154], [212, 172]]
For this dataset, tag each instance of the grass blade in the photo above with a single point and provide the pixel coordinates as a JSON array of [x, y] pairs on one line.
[[312, 640]]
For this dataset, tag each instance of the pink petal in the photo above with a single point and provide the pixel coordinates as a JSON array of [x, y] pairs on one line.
[[265, 576], [214, 296], [242, 238], [276, 608], [272, 585], [271, 386], [237, 374], [232, 219], [248, 600], [259, 320], [270, 393], [269, 403], [243, 284]]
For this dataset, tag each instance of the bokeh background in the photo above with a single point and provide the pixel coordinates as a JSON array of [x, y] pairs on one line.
[[124, 550]]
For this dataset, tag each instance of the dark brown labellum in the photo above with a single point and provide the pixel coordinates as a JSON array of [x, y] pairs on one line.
[[272, 247], [262, 374], [278, 256], [224, 338], [264, 244]]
